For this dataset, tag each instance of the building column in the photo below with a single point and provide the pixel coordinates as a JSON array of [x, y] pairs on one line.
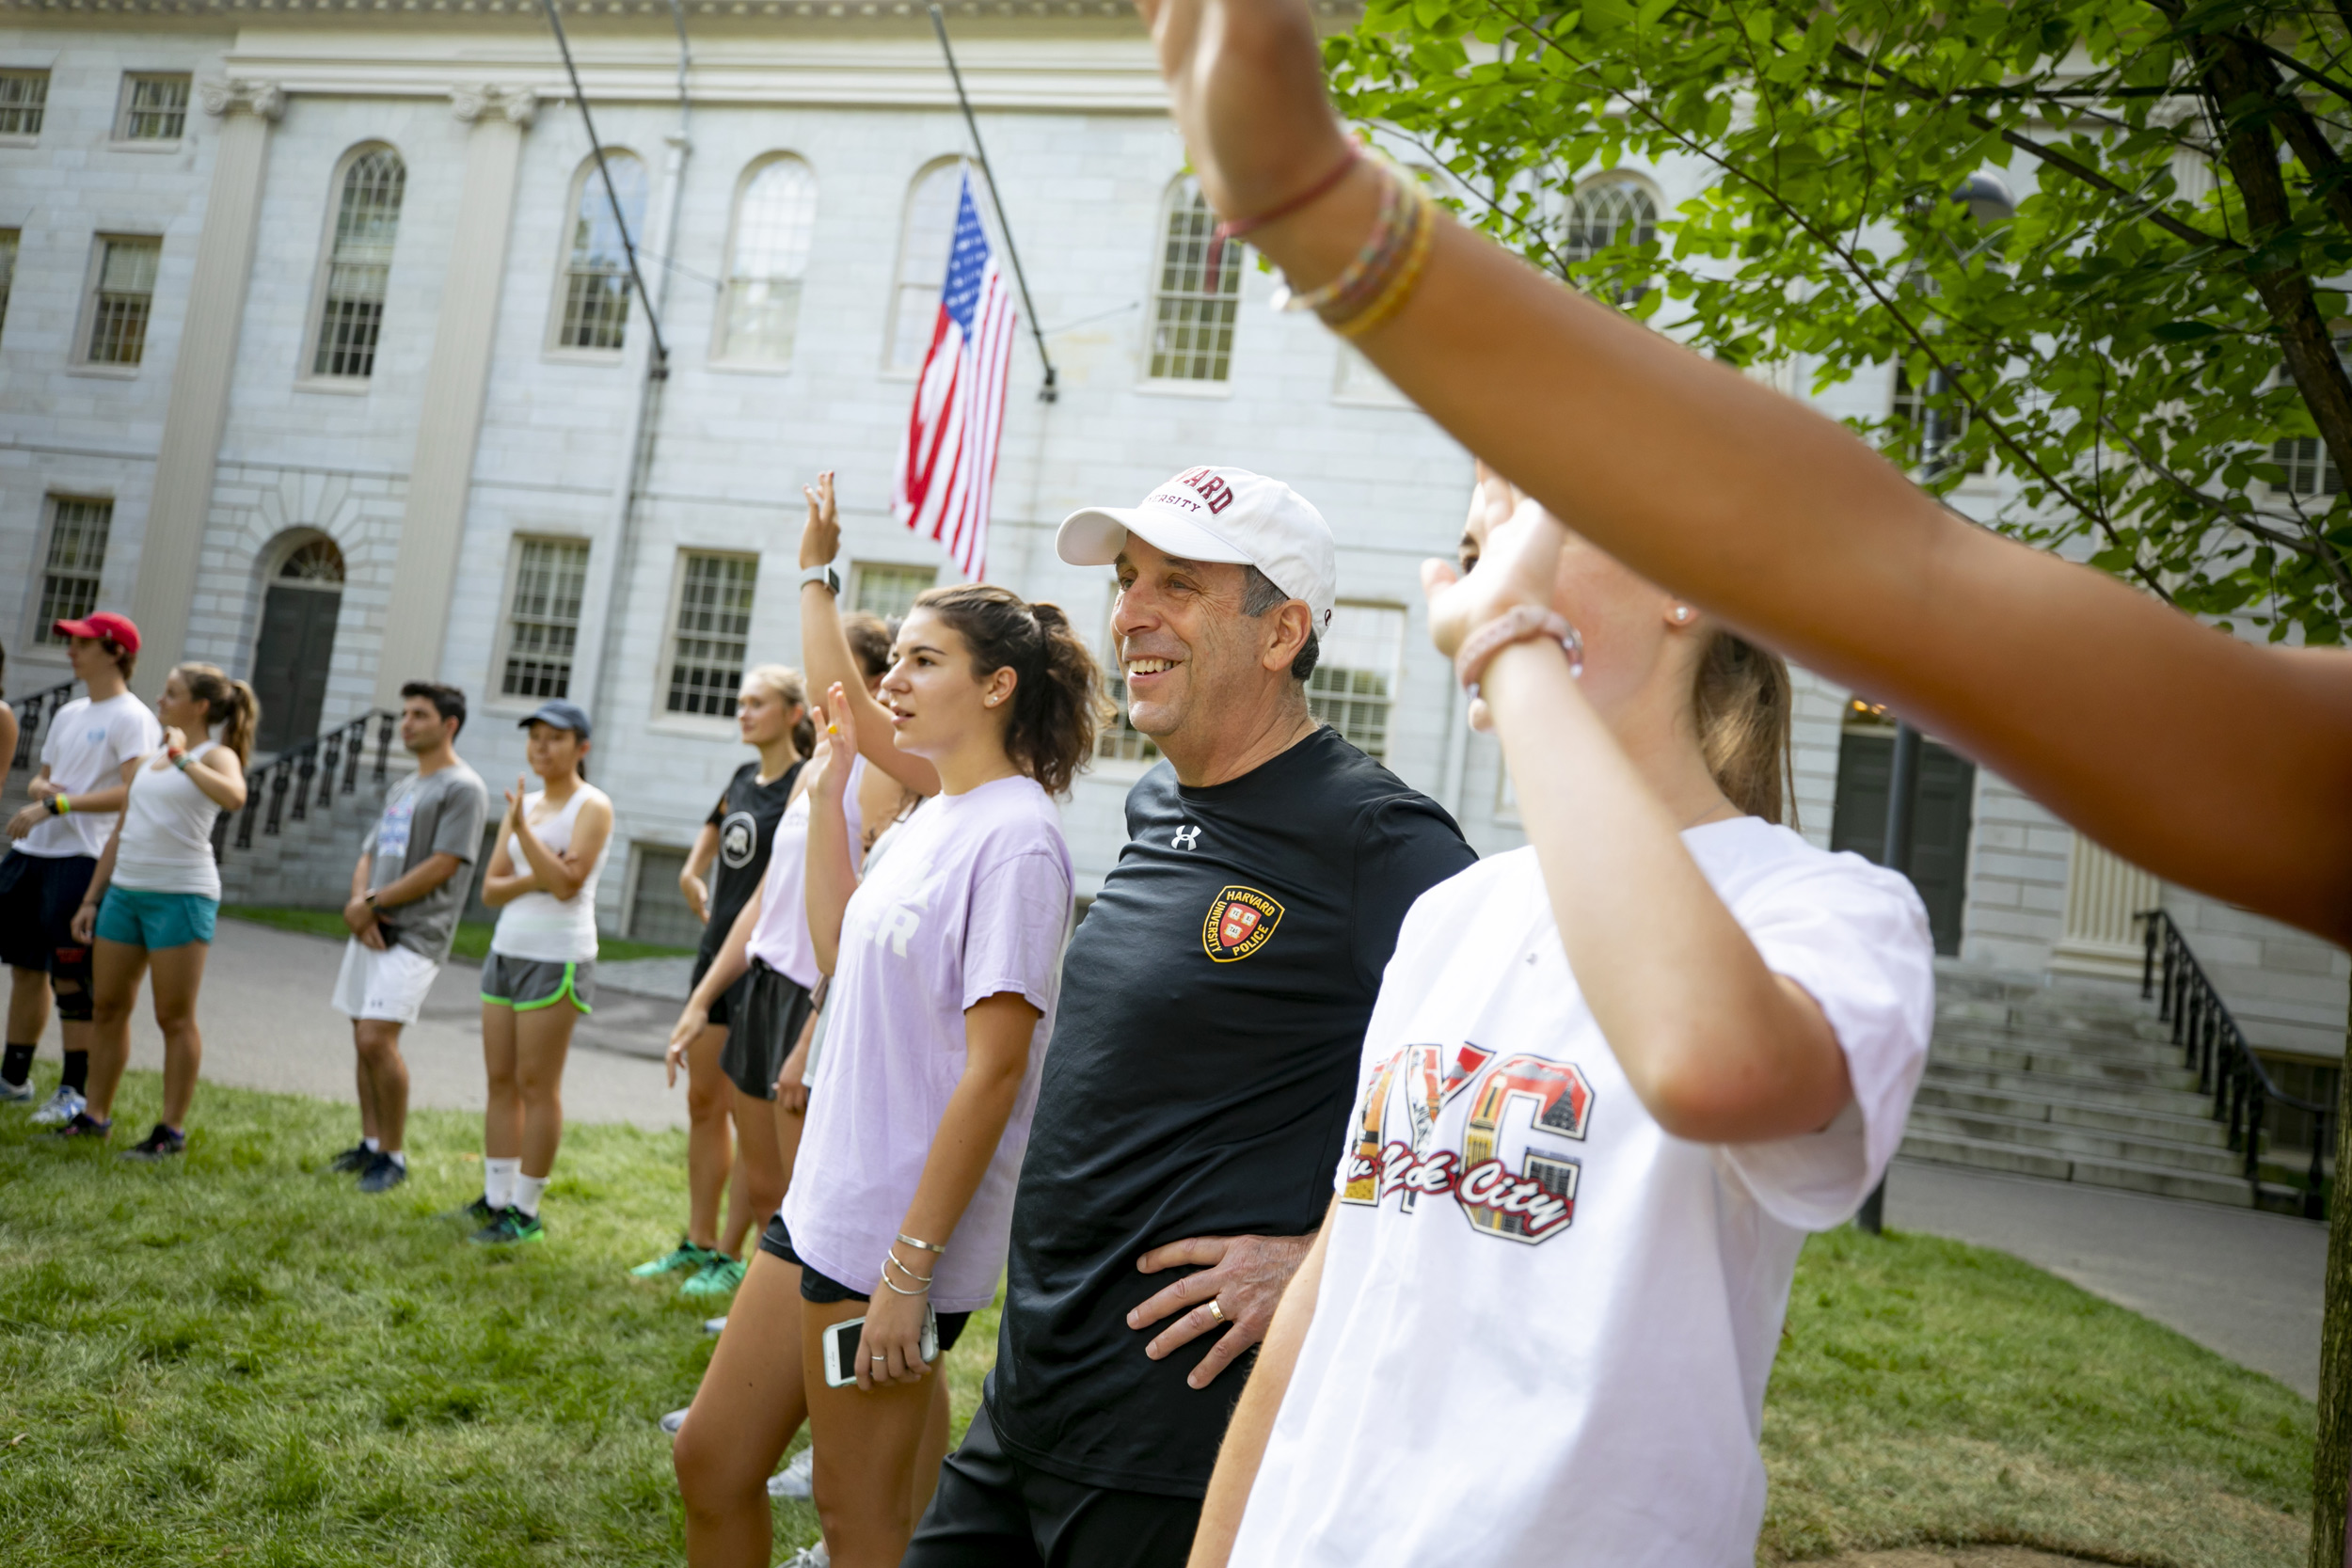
[[190, 448], [457, 382]]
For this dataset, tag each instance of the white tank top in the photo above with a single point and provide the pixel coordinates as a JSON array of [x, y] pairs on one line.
[[539, 926], [780, 940], [166, 841]]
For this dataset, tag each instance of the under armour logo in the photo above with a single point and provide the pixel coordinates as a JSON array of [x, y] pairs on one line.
[[1187, 837]]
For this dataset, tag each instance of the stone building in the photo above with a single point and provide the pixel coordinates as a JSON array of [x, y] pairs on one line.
[[317, 355]]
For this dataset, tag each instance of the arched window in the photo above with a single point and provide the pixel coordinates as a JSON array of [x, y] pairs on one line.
[[775, 217], [1609, 212], [358, 263], [595, 274], [931, 227], [1197, 292]]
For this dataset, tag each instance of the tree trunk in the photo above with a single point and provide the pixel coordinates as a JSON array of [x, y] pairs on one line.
[[2331, 1456]]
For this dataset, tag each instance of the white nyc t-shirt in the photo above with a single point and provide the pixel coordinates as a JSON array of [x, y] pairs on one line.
[[87, 746], [1545, 1324]]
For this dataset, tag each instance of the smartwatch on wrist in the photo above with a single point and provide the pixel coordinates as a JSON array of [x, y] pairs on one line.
[[826, 575]]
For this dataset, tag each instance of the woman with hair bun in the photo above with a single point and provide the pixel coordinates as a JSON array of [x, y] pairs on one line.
[[156, 893], [944, 964]]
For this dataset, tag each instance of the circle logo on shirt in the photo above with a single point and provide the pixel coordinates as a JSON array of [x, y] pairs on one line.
[[1241, 920], [738, 836]]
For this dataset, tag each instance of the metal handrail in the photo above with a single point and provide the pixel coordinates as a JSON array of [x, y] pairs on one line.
[[2216, 1049], [322, 759], [30, 713]]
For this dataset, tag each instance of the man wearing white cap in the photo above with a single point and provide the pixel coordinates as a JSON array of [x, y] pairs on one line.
[[1214, 1003]]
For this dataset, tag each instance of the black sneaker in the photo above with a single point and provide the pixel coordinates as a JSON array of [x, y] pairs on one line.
[[161, 1144], [352, 1162], [511, 1226], [84, 1125], [477, 1214], [383, 1174]]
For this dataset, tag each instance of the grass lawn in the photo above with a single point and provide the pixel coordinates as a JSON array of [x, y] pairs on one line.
[[237, 1360], [473, 936]]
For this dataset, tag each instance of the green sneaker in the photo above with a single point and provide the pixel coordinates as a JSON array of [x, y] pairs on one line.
[[685, 1258], [718, 1277], [511, 1226]]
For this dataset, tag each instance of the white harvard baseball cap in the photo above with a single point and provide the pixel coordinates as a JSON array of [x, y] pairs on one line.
[[1228, 514]]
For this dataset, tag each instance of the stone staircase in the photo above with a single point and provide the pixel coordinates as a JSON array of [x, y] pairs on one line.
[[2071, 1082]]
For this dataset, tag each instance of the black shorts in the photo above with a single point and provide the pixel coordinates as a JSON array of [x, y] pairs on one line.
[[39, 896], [994, 1511], [730, 1001], [768, 1022], [823, 1289]]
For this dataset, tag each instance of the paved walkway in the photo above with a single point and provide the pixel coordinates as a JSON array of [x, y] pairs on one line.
[[267, 1025], [2243, 1284]]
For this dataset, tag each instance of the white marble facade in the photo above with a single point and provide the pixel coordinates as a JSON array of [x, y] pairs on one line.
[[472, 98]]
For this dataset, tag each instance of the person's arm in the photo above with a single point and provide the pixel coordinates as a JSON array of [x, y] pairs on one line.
[[726, 967], [31, 817], [84, 923], [2203, 759], [219, 777], [825, 647], [419, 879], [9, 732], [358, 913], [830, 874], [501, 885], [690, 876], [562, 876], [792, 1077], [1246, 1435], [108, 799], [996, 1034]]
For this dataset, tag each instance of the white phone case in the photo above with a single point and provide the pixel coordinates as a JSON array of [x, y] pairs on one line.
[[841, 1347]]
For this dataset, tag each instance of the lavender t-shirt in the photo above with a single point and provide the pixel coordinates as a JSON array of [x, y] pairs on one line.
[[780, 937], [972, 899]]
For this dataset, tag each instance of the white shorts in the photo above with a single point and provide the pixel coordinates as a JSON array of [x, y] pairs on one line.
[[390, 985]]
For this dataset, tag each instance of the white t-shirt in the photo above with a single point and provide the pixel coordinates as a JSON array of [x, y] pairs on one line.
[[1545, 1324], [87, 746]]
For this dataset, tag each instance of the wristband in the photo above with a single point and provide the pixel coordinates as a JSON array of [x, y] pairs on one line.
[[179, 760], [60, 804], [1519, 624], [1228, 232]]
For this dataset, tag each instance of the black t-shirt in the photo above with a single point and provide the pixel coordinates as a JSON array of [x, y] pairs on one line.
[[1212, 1011], [746, 818]]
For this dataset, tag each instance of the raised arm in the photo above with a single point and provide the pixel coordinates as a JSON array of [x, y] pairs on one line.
[[830, 874], [825, 647], [2206, 760]]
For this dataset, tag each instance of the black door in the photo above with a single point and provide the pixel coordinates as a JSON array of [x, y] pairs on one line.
[[289, 663], [1939, 821]]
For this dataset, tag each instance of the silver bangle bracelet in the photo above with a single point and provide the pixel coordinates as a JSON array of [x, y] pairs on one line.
[[896, 1291], [891, 1261]]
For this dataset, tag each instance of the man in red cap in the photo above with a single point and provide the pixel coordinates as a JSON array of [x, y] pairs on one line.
[[85, 764]]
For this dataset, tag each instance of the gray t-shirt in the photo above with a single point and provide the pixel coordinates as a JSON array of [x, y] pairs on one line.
[[428, 815]]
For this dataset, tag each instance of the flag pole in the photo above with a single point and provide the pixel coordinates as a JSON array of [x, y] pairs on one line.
[[1048, 392]]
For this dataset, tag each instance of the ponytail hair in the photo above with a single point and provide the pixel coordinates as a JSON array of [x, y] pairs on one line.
[[1743, 699], [791, 688], [227, 703], [1058, 700]]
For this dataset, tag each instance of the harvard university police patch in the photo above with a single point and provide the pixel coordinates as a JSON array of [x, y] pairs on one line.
[[1240, 919]]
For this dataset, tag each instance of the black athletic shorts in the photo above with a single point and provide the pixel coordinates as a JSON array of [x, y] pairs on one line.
[[730, 1001], [39, 895], [823, 1289], [773, 1011], [994, 1511]]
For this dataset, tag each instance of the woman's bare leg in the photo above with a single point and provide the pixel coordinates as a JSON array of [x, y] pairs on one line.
[[762, 1168], [115, 971], [709, 1136], [751, 1402], [502, 1117], [179, 975], [542, 1038], [868, 1443]]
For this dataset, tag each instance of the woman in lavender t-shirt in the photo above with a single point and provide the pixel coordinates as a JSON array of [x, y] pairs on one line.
[[946, 965]]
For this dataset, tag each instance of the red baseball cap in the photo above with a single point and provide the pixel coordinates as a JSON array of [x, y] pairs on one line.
[[114, 629]]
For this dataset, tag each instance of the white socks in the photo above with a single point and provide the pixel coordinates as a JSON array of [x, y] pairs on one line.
[[527, 1191], [497, 1182], [372, 1145]]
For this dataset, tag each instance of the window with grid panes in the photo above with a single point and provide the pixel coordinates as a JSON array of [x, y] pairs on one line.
[[657, 910], [154, 107], [2310, 470], [888, 592], [931, 227], [358, 264], [23, 101], [1199, 292], [77, 553], [775, 218], [8, 271], [1354, 686], [1933, 430], [596, 278], [542, 617], [125, 291], [710, 632]]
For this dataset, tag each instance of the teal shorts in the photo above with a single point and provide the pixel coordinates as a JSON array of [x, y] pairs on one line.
[[527, 985], [155, 920]]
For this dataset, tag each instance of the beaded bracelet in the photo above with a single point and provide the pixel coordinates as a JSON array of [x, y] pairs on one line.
[[1399, 284], [1519, 624], [1388, 239]]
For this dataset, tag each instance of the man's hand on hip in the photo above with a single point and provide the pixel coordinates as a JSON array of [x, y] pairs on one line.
[[1239, 1284]]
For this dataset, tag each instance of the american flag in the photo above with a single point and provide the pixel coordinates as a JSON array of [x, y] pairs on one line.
[[946, 471]]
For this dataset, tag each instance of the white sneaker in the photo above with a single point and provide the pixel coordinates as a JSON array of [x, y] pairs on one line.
[[714, 1325], [61, 1107], [809, 1557], [673, 1420], [16, 1093], [794, 1480]]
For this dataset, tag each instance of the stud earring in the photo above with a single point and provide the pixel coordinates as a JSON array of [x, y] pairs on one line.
[[1682, 612]]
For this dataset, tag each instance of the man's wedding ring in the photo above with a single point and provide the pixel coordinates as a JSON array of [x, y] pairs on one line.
[[1214, 1311]]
